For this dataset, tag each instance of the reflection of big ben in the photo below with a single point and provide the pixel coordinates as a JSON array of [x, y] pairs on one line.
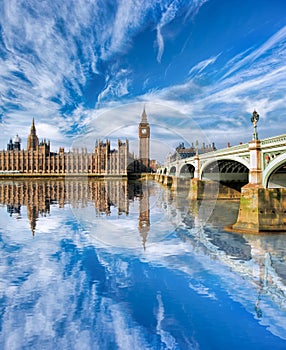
[[144, 140], [144, 215]]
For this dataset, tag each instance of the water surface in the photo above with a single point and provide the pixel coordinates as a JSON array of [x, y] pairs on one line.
[[117, 265]]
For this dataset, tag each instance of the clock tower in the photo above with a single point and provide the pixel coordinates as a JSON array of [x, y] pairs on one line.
[[144, 141]]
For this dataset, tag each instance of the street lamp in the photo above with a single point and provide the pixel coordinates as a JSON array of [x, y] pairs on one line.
[[254, 120]]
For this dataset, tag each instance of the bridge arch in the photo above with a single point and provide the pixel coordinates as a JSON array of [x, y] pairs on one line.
[[187, 170], [226, 170], [274, 175], [217, 159], [173, 170]]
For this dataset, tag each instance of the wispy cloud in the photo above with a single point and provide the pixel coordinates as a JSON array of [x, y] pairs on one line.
[[41, 66], [198, 68], [116, 84], [128, 18], [278, 38], [168, 15], [52, 54], [251, 79], [50, 51]]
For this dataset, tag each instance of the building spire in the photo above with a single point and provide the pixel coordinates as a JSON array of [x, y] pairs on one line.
[[144, 116], [33, 129], [33, 142]]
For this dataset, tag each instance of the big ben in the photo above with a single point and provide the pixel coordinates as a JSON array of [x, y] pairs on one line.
[[144, 141]]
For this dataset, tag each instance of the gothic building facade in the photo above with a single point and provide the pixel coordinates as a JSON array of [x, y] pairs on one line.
[[38, 159]]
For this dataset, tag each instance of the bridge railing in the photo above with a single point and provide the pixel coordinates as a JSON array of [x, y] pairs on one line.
[[274, 140]]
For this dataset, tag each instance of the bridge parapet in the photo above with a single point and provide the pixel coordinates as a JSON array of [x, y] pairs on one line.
[[237, 149], [274, 141]]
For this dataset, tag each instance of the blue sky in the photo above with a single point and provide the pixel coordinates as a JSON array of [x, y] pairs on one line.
[[85, 69]]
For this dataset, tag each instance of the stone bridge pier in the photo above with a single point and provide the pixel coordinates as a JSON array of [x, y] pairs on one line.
[[261, 209]]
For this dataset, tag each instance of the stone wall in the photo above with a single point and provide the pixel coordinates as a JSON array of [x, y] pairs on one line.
[[262, 209]]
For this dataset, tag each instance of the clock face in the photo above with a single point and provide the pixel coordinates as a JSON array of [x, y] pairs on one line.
[[144, 131]]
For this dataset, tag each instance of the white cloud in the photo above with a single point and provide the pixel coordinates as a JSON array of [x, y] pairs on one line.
[[129, 16], [169, 13], [198, 68], [160, 42], [167, 16], [40, 82], [116, 86], [277, 38]]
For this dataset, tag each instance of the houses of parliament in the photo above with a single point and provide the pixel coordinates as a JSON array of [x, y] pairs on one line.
[[38, 160]]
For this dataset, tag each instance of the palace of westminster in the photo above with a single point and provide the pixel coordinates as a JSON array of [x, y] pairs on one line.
[[38, 159]]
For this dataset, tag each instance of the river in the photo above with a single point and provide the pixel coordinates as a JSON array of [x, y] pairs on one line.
[[132, 265]]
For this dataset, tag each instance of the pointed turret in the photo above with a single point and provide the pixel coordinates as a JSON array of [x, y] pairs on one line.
[[33, 129], [144, 117], [33, 142]]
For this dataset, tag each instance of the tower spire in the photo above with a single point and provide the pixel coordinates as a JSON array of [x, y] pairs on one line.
[[144, 116], [33, 129], [33, 142]]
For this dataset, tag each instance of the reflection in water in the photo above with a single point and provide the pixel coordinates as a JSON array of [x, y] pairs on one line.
[[38, 196], [120, 265]]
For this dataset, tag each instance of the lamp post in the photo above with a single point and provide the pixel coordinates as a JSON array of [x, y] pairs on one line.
[[255, 169], [254, 120], [197, 147]]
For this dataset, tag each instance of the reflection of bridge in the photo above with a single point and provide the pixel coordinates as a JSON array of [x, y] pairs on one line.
[[259, 259], [260, 165]]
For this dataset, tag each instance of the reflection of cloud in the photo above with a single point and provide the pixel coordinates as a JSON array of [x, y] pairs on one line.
[[127, 334], [64, 289], [201, 289], [167, 339], [122, 231]]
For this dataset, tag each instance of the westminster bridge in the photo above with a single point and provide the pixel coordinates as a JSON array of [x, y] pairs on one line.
[[255, 172]]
